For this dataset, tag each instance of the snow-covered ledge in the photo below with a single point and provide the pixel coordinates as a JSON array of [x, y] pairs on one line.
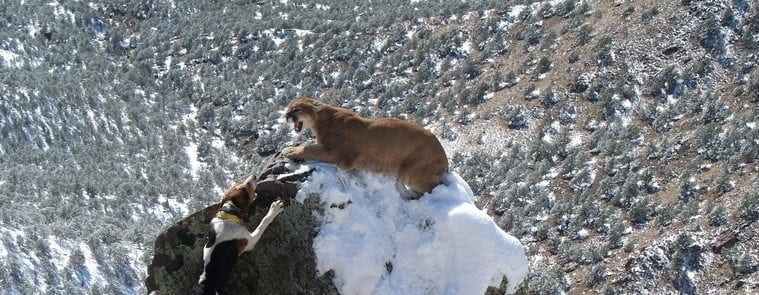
[[379, 243]]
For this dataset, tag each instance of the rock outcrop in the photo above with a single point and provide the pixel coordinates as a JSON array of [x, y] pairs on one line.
[[283, 261]]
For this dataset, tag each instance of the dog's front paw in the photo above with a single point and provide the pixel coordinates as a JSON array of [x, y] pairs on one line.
[[292, 152], [276, 207]]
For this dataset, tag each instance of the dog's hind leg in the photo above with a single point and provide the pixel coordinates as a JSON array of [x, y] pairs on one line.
[[218, 267]]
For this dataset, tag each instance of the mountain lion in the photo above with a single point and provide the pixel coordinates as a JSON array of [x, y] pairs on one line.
[[387, 146]]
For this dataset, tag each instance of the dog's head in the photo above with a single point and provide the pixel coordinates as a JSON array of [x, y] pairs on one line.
[[303, 111], [243, 195]]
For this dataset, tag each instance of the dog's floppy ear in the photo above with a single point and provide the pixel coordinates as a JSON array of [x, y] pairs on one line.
[[250, 188], [243, 193], [251, 181], [234, 194]]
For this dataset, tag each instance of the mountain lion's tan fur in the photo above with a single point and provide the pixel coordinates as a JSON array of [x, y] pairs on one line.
[[384, 145]]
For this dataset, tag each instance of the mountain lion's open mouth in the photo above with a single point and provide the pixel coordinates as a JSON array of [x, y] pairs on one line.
[[297, 125]]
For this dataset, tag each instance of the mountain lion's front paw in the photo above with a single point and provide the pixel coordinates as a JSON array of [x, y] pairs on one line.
[[293, 152]]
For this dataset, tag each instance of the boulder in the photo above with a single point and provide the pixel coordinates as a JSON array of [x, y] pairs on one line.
[[283, 261]]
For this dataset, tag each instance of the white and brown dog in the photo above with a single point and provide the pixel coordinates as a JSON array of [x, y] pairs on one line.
[[228, 237]]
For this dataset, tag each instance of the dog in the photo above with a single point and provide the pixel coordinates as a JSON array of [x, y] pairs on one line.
[[388, 146], [228, 237]]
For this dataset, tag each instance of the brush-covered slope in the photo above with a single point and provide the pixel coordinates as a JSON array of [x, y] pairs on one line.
[[617, 140]]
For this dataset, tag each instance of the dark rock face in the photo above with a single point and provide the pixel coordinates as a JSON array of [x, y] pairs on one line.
[[283, 261], [178, 254]]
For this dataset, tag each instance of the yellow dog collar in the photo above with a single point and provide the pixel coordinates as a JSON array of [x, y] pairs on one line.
[[228, 217]]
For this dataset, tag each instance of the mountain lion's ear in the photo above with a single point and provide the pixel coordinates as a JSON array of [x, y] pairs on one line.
[[314, 104], [318, 107]]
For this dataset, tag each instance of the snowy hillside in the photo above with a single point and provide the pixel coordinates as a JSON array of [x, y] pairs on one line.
[[379, 243], [616, 140]]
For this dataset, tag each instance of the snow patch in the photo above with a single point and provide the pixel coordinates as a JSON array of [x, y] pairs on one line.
[[466, 47], [10, 58], [582, 234], [192, 155], [575, 140], [59, 256], [516, 10], [439, 244], [91, 265], [10, 233]]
